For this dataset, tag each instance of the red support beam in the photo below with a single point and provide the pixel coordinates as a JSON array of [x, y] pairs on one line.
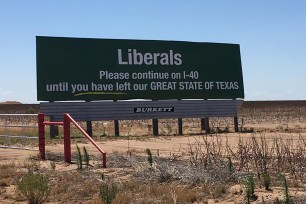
[[67, 140], [53, 123], [66, 115], [41, 135]]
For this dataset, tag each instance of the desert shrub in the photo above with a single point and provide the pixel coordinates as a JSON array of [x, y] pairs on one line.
[[250, 189], [266, 180], [108, 192], [149, 158], [79, 158], [86, 156], [287, 200], [35, 187], [230, 165]]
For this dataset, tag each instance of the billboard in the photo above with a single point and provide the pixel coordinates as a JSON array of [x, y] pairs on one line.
[[71, 69]]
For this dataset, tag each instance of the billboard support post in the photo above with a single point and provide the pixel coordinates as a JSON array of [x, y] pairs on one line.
[[236, 124], [236, 121], [89, 126], [116, 126], [180, 126], [53, 129], [202, 124], [207, 129], [155, 127]]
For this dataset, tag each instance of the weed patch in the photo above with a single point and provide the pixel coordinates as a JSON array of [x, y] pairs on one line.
[[35, 187]]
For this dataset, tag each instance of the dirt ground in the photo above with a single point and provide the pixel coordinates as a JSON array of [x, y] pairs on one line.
[[264, 120], [164, 144]]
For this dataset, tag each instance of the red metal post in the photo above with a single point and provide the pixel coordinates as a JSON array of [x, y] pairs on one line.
[[41, 135], [67, 142]]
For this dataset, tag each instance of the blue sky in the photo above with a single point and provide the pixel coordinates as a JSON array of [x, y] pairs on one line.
[[271, 34]]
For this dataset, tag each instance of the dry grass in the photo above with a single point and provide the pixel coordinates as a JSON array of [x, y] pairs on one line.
[[9, 174], [73, 186], [137, 192], [200, 173]]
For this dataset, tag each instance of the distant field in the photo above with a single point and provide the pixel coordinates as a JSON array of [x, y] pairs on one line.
[[247, 105], [19, 108]]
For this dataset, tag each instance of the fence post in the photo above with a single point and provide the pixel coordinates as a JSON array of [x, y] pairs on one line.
[[41, 135], [67, 142]]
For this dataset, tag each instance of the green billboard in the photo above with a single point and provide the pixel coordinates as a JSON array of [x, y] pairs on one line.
[[71, 69]]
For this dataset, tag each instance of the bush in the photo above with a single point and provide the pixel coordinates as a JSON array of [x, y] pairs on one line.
[[79, 158], [150, 158], [266, 179], [108, 192], [230, 165], [35, 187], [86, 156], [287, 200], [250, 189]]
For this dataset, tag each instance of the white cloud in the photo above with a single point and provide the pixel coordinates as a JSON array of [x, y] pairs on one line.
[[6, 95]]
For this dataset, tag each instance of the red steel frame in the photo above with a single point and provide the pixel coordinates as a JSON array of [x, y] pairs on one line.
[[67, 139]]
